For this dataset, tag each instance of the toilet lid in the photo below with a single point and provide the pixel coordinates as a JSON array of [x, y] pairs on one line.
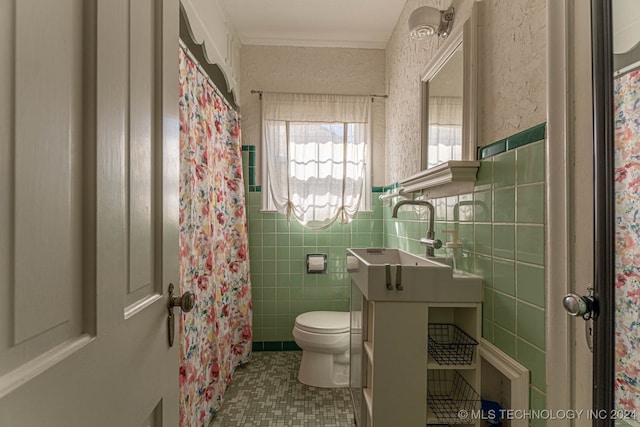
[[324, 322]]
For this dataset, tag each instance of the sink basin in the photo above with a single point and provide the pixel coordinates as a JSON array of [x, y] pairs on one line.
[[396, 275]]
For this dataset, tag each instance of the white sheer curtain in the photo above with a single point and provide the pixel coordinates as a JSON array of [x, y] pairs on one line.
[[316, 156], [445, 129]]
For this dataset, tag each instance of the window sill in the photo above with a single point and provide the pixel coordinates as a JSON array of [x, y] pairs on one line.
[[450, 178]]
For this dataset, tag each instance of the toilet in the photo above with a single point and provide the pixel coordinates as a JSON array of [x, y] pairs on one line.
[[323, 337]]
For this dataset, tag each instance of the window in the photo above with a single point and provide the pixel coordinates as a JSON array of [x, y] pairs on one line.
[[315, 161], [445, 130]]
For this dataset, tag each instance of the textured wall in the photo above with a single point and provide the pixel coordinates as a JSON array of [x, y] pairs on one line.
[[512, 67], [313, 70], [511, 76]]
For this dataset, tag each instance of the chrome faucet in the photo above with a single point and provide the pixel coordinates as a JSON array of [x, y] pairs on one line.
[[474, 203], [430, 241]]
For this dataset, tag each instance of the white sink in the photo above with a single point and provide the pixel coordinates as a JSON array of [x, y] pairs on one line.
[[396, 275]]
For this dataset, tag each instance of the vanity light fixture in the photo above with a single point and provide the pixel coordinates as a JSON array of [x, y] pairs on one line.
[[426, 21]]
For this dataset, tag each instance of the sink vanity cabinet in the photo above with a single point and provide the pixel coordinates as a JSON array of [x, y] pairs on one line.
[[394, 379]]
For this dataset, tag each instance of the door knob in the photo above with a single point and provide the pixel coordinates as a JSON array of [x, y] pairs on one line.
[[186, 302], [585, 307], [577, 305]]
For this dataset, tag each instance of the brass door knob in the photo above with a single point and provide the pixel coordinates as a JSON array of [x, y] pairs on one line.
[[185, 302]]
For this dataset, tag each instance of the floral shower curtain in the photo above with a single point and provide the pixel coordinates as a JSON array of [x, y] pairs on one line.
[[214, 263], [627, 206]]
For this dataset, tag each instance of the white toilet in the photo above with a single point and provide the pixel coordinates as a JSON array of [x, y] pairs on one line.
[[323, 337]]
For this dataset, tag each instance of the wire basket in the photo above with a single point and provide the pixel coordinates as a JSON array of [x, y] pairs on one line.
[[449, 395], [450, 345]]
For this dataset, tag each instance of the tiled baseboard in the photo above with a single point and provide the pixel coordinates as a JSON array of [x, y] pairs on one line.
[[275, 346]]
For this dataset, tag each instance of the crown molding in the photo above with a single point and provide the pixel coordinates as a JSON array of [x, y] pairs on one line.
[[297, 41]]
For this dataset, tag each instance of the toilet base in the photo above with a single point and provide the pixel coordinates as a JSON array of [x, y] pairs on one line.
[[324, 370]]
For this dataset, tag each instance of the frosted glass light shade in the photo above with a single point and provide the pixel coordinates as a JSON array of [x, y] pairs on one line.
[[423, 22], [426, 21]]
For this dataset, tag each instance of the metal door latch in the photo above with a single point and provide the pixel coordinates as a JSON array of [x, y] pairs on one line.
[[585, 307], [185, 302], [577, 305]]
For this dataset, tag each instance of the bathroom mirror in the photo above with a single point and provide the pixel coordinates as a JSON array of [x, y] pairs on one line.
[[448, 131], [443, 99]]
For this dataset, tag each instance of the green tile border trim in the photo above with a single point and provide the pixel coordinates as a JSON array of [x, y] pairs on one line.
[[275, 346], [492, 149], [528, 136], [525, 137], [390, 187], [251, 167], [377, 189]]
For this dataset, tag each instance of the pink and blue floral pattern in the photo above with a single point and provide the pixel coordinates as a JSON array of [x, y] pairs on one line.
[[214, 261], [627, 199]]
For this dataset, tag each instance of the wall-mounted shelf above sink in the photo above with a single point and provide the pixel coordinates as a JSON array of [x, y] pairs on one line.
[[396, 275], [455, 173]]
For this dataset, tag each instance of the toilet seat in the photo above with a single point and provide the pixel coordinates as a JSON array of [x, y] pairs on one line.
[[323, 322]]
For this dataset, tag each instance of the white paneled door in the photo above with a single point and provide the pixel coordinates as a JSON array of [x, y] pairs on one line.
[[88, 212]]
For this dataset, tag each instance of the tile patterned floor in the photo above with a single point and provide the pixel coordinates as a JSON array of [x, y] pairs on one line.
[[265, 392]]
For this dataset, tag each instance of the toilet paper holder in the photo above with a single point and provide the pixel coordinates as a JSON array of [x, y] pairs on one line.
[[316, 263]]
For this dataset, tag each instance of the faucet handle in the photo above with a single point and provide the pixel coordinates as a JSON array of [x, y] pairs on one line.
[[453, 241], [431, 243]]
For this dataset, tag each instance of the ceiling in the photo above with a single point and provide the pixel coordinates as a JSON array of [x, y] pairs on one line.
[[626, 18], [319, 23]]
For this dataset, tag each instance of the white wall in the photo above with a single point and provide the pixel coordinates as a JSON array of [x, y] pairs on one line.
[[512, 75], [312, 70]]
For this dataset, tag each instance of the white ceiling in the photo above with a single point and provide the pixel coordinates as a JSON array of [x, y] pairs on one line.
[[626, 18], [321, 23]]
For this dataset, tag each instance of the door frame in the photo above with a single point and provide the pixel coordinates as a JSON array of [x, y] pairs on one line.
[[570, 205], [604, 208], [568, 124], [559, 352]]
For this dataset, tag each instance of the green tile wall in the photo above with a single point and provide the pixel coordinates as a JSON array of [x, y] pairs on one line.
[[281, 287], [501, 225], [277, 251]]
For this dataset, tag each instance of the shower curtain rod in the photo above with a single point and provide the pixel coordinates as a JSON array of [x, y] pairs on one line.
[[260, 92], [188, 52]]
